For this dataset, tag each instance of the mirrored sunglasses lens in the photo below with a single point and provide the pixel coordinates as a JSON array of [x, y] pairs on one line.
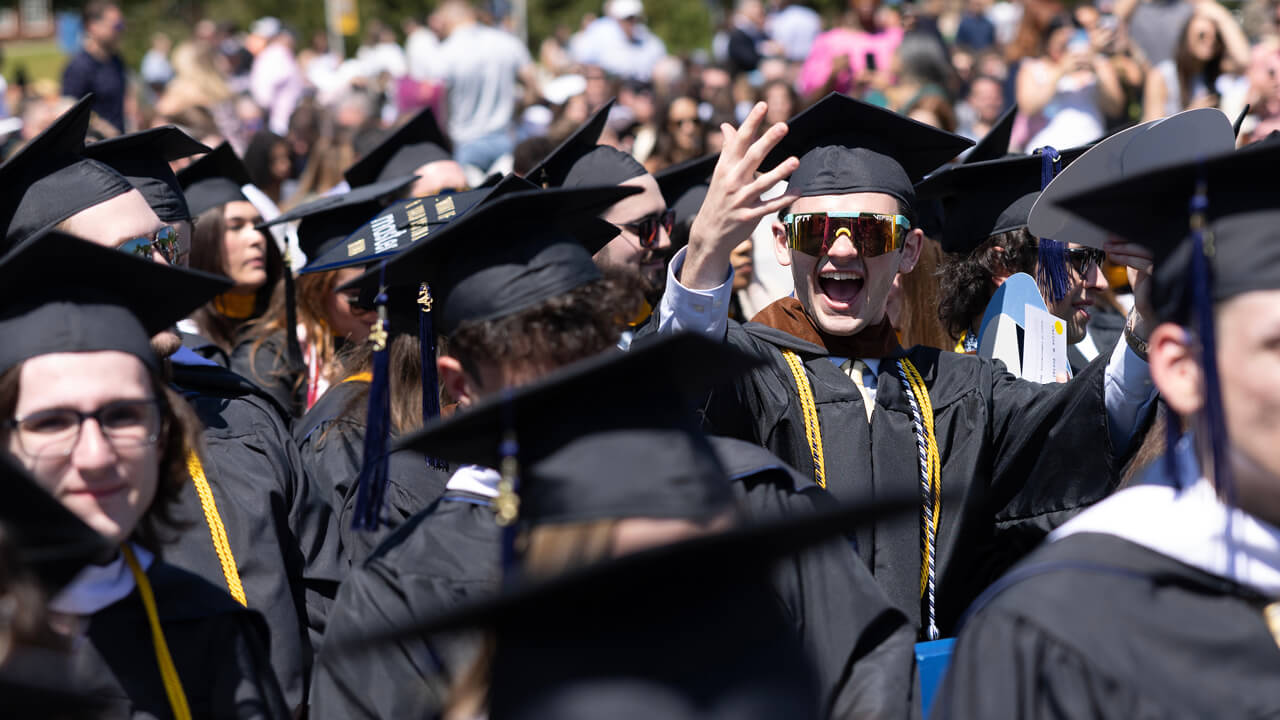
[[809, 233], [137, 246], [874, 235]]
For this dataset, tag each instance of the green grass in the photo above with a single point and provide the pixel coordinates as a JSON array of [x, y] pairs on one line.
[[42, 59]]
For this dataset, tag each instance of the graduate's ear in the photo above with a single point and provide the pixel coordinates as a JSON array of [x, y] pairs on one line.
[[780, 249], [457, 384], [1175, 368], [911, 248]]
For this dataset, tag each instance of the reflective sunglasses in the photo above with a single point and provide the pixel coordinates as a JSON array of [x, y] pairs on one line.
[[872, 234], [646, 228], [163, 241], [1081, 259]]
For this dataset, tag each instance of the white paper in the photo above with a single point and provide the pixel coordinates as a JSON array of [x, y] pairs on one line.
[[1044, 347]]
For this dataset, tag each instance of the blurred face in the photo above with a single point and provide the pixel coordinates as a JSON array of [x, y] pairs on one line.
[[682, 121], [1202, 38], [625, 250], [986, 97], [928, 117], [281, 163], [743, 267], [106, 30], [117, 221], [108, 482], [780, 106], [244, 249], [438, 176], [346, 320], [1076, 307], [843, 291]]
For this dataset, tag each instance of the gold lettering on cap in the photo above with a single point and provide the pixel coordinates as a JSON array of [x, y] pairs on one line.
[[445, 208]]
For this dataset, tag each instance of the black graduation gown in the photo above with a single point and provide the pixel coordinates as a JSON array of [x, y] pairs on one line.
[[1099, 627], [1018, 458], [442, 557], [331, 443], [861, 646], [268, 369], [217, 646], [282, 533]]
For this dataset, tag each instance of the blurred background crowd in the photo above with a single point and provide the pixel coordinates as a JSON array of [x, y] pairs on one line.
[[300, 111]]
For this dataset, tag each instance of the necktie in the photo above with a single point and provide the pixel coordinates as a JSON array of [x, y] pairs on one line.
[[857, 371]]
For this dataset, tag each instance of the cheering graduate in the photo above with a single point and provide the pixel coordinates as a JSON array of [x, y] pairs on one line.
[[1162, 600], [568, 311], [998, 461], [88, 413], [419, 149], [249, 521]]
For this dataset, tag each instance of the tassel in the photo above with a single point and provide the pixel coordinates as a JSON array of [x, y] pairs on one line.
[[1215, 423], [372, 481], [1052, 270], [427, 353], [508, 502]]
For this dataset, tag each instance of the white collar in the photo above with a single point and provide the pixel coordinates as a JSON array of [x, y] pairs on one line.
[[475, 479], [99, 586], [1190, 525]]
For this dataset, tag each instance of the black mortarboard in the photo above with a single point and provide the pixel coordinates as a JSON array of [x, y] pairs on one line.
[[995, 144], [554, 169], [325, 222], [615, 435], [602, 165], [51, 542], [684, 187], [143, 159], [983, 198], [407, 148], [214, 180], [507, 254], [59, 293], [48, 180], [849, 146]]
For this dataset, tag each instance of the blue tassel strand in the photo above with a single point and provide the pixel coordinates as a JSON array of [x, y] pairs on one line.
[[371, 485], [1051, 270], [1215, 423]]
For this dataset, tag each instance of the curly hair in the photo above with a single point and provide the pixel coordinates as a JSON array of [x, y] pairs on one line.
[[570, 327], [967, 281], [179, 435]]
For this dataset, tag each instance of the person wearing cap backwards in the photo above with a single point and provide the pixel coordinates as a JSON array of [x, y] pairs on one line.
[[85, 409], [1161, 601], [248, 521], [998, 461], [506, 326]]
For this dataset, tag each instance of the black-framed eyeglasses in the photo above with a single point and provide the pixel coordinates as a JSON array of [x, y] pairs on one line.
[[165, 241], [53, 433], [646, 228]]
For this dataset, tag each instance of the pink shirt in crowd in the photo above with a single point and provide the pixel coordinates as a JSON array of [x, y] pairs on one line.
[[854, 44]]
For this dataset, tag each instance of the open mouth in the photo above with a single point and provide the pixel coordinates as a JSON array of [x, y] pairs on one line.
[[840, 288]]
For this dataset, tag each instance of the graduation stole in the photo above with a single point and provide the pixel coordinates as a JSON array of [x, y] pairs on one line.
[[878, 341], [168, 673]]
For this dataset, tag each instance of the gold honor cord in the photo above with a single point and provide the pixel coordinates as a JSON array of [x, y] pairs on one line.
[[812, 431], [168, 673], [217, 531]]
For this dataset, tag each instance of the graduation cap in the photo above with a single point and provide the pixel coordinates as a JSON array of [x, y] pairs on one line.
[[986, 197], [48, 180], [555, 170], [214, 180], [684, 187], [326, 220], [850, 146], [143, 159], [59, 293], [1211, 225], [995, 144], [1178, 138], [51, 542], [407, 148]]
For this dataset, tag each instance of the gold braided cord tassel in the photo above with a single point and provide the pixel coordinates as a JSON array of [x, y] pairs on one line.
[[217, 531], [168, 673], [812, 430], [933, 467]]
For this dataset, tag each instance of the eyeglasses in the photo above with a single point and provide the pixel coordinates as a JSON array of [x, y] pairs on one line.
[[872, 234], [164, 241], [1081, 259], [54, 433], [646, 228]]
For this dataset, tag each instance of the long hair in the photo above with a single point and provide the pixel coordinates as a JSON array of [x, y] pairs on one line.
[[208, 254], [405, 365], [1189, 69], [312, 291], [967, 281], [179, 436], [918, 323]]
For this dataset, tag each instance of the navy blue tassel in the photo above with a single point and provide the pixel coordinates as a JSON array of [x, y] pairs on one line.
[[427, 353], [507, 503], [372, 481], [1052, 270], [1215, 423]]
